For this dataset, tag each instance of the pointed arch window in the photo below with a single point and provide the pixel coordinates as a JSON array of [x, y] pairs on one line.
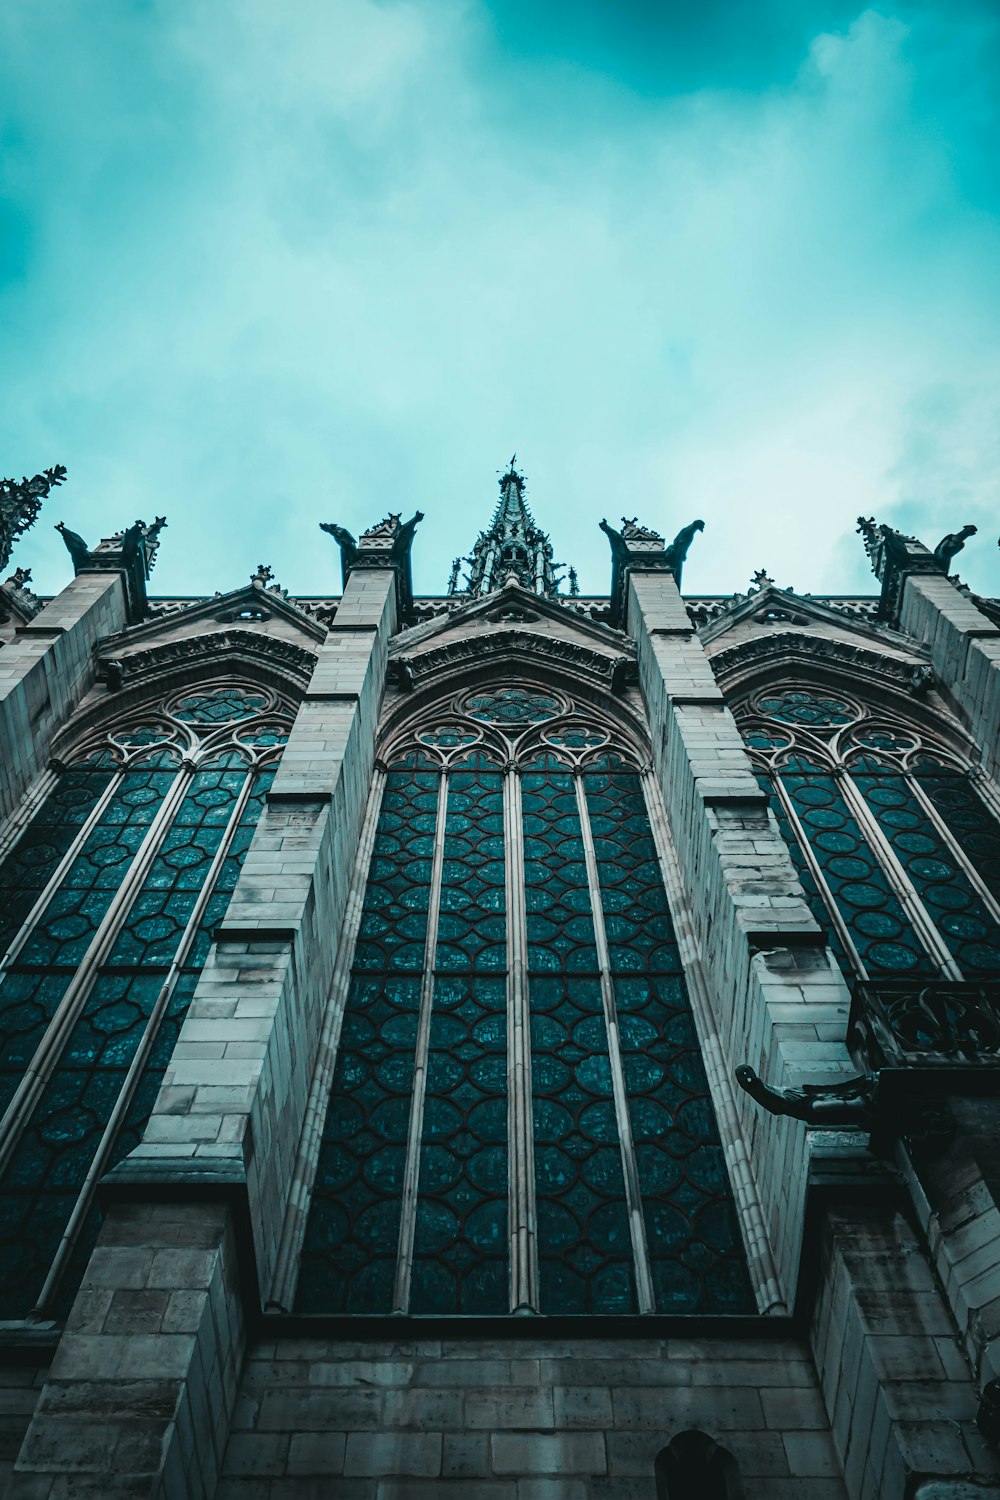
[[519, 1117], [108, 899], [897, 841]]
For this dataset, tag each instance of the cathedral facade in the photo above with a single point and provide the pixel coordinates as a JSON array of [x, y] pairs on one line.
[[511, 1044]]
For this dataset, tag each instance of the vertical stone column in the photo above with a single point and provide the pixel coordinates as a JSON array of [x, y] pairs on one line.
[[902, 1406], [780, 1002], [137, 1401], [965, 655], [234, 1094], [196, 1211], [45, 671]]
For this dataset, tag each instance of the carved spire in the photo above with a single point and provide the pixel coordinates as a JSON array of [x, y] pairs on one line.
[[20, 502], [512, 548]]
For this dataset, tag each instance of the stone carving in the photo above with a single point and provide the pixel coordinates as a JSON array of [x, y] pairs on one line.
[[75, 545], [20, 502], [678, 550], [895, 557], [385, 545], [949, 546], [614, 672], [17, 601], [912, 677], [833, 1104], [290, 660]]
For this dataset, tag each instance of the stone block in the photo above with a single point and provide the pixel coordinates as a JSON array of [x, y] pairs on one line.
[[563, 1453], [373, 1454]]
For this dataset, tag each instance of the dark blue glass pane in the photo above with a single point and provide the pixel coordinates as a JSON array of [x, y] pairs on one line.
[[695, 1251], [513, 705], [219, 705], [557, 898], [817, 710], [472, 931], [584, 1245], [968, 818], [394, 918], [815, 901], [954, 905], [881, 932], [27, 1003], [636, 919], [33, 861], [351, 1243], [159, 913], [460, 1262], [73, 915]]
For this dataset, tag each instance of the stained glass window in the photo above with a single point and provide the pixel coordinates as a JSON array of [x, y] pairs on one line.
[[899, 855], [519, 1116], [109, 901]]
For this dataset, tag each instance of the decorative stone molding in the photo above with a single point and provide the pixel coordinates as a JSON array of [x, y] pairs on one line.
[[20, 502], [283, 658], [613, 672], [786, 647], [386, 545], [17, 602]]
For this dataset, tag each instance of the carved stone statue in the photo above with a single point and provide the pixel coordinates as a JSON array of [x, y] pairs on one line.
[[678, 550], [77, 547], [345, 541], [950, 545], [848, 1103]]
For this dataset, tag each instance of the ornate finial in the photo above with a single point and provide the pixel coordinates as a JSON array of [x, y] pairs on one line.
[[453, 578], [761, 580], [574, 587], [20, 502], [263, 575]]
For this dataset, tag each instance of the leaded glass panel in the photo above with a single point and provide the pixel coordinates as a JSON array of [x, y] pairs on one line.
[[137, 998], [420, 1189], [955, 907], [878, 785], [881, 932]]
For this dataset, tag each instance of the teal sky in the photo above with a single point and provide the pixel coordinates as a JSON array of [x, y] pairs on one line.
[[264, 265]]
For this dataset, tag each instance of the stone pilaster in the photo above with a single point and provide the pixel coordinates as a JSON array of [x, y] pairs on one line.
[[965, 655], [44, 672], [780, 1002], [902, 1406], [234, 1095], [138, 1399]]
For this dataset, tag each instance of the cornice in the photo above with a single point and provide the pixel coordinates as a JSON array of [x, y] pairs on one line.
[[914, 677], [285, 658], [614, 672]]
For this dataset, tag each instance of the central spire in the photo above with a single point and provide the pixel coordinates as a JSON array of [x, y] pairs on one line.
[[511, 549]]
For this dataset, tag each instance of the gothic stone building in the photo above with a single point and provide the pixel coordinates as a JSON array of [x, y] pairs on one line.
[[509, 1045]]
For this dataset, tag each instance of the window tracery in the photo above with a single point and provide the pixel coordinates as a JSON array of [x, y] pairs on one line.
[[108, 901], [896, 848], [519, 1116]]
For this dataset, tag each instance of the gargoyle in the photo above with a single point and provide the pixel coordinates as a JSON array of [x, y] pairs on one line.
[[848, 1103], [619, 551], [345, 541], [950, 545], [678, 550], [77, 547]]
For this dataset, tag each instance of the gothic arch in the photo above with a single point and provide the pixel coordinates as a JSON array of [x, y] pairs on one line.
[[894, 829], [694, 1467], [515, 997]]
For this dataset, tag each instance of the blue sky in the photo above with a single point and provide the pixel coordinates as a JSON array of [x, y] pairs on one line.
[[264, 265]]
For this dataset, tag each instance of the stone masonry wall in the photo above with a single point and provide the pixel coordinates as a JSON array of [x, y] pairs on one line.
[[781, 1003], [45, 671], [20, 1385], [520, 1419]]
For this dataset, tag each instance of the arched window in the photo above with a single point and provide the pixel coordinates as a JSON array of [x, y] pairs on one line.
[[519, 1117], [694, 1467], [896, 848], [108, 900]]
